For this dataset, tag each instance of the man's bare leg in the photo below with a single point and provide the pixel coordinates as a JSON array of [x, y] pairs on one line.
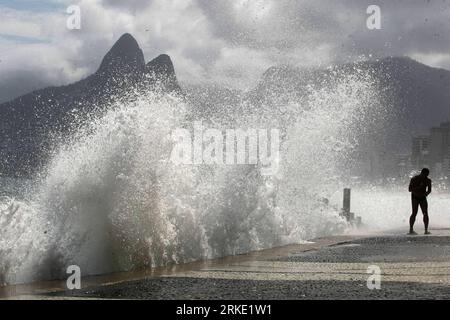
[[412, 218], [426, 219]]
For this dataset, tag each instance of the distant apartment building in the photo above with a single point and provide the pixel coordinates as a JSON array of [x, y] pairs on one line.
[[404, 166], [433, 150], [420, 153]]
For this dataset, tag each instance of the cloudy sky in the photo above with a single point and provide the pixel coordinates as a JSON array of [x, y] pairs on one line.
[[231, 42]]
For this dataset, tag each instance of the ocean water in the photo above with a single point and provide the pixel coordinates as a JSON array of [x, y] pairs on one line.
[[384, 209], [110, 199]]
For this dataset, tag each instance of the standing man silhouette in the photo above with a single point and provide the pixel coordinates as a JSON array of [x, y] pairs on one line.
[[420, 188]]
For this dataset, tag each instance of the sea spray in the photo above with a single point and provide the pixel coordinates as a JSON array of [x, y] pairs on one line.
[[110, 199]]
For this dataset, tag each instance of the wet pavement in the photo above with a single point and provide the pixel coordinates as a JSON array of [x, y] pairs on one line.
[[412, 267]]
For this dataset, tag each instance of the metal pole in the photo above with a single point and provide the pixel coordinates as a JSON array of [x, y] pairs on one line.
[[346, 203]]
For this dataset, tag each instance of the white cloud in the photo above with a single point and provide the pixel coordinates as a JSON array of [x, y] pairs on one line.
[[437, 60], [230, 42], [19, 23]]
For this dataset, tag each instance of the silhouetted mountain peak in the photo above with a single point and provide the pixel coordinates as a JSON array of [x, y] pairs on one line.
[[162, 64], [162, 71], [30, 123], [125, 56]]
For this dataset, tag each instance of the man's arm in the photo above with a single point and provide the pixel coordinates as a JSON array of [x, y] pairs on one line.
[[410, 188], [428, 188]]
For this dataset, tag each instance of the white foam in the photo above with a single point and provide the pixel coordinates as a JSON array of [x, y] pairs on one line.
[[111, 199]]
